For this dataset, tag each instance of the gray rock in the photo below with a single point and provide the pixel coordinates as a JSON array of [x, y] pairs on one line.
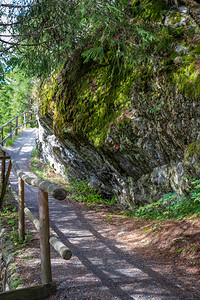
[[146, 164], [183, 9], [182, 49]]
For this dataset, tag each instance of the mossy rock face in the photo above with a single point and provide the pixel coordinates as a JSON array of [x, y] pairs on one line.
[[86, 102], [125, 134]]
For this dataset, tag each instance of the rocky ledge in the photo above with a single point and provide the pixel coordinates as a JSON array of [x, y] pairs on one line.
[[136, 169]]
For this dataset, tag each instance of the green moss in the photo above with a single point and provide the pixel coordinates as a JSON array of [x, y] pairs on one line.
[[191, 150], [85, 102], [87, 96], [153, 10], [187, 77], [175, 17], [197, 49], [89, 104]]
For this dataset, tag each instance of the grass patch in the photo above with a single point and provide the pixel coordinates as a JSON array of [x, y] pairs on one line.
[[9, 217], [82, 192], [34, 153], [37, 167], [9, 142], [44, 170]]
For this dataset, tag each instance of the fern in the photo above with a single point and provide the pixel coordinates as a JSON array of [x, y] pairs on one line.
[[95, 53]]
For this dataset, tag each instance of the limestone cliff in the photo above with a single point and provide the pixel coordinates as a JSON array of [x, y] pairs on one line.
[[132, 135]]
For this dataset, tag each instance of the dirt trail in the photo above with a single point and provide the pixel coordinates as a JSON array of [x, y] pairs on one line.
[[105, 263]]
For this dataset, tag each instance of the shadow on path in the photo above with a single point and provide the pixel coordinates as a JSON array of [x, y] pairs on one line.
[[152, 286], [124, 275]]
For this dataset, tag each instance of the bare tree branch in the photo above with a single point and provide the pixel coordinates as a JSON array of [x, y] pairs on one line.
[[10, 24], [41, 31], [24, 45], [18, 6]]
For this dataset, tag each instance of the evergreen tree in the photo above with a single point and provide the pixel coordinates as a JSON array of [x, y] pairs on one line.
[[44, 34], [15, 94]]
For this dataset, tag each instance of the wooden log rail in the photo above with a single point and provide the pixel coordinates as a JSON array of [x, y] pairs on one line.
[[44, 189], [30, 293]]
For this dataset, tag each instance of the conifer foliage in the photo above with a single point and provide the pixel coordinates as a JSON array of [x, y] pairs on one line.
[[45, 33]]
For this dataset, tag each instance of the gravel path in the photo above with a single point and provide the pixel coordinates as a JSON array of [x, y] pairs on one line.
[[101, 267]]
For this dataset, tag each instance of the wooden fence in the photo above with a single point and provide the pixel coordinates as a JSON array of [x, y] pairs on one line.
[[44, 189], [14, 124], [13, 127]]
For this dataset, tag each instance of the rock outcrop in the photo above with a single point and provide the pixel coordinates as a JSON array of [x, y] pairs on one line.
[[133, 165], [150, 142]]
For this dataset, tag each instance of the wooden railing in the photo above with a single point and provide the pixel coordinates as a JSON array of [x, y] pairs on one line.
[[44, 189], [14, 124]]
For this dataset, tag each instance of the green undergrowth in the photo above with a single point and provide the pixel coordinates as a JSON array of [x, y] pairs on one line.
[[82, 191], [9, 218], [44, 170], [9, 142], [34, 153], [9, 221], [38, 167], [171, 206]]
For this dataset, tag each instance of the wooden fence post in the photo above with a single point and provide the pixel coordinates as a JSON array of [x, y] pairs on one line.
[[2, 136], [16, 126], [21, 222], [25, 120], [10, 130], [3, 168], [3, 188], [44, 237]]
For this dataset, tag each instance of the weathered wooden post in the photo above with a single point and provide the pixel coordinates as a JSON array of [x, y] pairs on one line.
[[2, 136], [44, 237], [10, 130], [3, 169], [2, 162], [21, 221], [5, 180], [25, 120], [16, 126]]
